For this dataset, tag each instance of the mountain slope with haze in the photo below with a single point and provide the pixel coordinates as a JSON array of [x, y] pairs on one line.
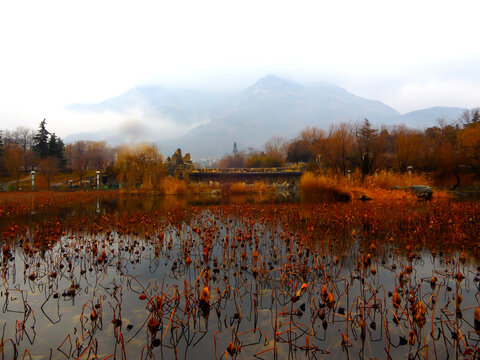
[[272, 106]]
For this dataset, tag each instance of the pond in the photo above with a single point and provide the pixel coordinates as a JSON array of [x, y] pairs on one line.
[[162, 277]]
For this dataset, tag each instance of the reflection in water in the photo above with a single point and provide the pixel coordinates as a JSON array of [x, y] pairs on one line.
[[139, 276]]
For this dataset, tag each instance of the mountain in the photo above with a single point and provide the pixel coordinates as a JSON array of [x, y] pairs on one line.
[[272, 106], [184, 106], [429, 117]]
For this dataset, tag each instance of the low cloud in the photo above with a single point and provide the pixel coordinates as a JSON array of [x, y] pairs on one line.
[[435, 92], [130, 126]]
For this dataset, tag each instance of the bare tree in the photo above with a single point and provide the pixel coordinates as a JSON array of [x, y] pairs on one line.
[[276, 146], [23, 137], [311, 135], [80, 159], [99, 155], [469, 116]]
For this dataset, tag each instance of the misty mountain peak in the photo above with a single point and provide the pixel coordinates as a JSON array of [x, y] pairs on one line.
[[273, 81], [271, 86]]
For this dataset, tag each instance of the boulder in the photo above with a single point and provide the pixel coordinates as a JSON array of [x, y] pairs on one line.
[[422, 191], [364, 198]]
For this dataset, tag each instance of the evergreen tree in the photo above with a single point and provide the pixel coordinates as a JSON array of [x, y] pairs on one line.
[[52, 145], [40, 141], [367, 143], [60, 147], [476, 116], [55, 150]]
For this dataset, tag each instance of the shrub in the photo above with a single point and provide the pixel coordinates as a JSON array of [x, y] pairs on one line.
[[173, 186]]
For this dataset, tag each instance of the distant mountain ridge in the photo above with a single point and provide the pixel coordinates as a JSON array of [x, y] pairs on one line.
[[272, 106]]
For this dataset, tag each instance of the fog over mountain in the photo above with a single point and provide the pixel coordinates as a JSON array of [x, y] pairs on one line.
[[206, 123]]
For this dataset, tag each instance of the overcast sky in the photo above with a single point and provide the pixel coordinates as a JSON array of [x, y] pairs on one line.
[[407, 54]]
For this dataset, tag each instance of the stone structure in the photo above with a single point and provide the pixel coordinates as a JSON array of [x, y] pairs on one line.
[[422, 191], [179, 166]]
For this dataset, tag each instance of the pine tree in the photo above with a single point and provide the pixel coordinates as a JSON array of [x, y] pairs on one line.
[[40, 141], [366, 141], [60, 147], [52, 145], [476, 116], [55, 150]]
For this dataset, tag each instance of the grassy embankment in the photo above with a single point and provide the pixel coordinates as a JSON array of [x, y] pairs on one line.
[[331, 187]]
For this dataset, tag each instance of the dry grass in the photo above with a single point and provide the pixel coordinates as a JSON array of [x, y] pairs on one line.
[[382, 180], [388, 180], [331, 186], [322, 188]]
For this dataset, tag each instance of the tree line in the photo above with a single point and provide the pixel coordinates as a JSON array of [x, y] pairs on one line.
[[23, 150], [447, 150]]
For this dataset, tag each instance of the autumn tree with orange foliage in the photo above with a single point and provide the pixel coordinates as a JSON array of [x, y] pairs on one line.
[[274, 154], [442, 156], [13, 161], [48, 168], [299, 151], [407, 145], [235, 161], [140, 164], [339, 147], [446, 151], [469, 144], [313, 137]]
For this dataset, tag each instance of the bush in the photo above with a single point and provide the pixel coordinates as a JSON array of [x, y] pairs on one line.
[[173, 186]]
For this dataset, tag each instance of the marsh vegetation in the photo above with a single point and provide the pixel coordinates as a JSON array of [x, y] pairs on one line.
[[106, 275]]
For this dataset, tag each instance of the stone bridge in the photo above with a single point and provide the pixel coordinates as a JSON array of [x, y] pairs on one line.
[[249, 176]]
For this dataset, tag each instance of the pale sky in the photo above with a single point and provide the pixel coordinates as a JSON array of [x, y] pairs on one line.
[[407, 54]]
